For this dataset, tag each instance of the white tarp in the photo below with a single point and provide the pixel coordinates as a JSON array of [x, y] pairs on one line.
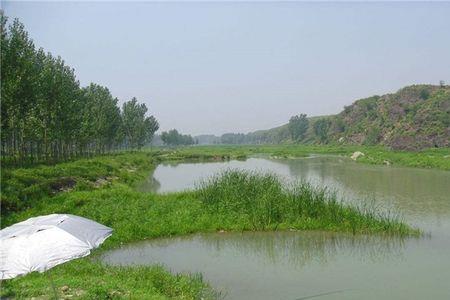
[[41, 243]]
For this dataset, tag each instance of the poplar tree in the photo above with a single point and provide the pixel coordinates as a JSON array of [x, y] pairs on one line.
[[47, 116]]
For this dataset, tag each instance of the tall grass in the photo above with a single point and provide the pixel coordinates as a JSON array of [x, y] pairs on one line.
[[233, 200], [263, 200]]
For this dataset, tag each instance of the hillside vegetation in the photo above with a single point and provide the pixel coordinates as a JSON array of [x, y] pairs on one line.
[[416, 117]]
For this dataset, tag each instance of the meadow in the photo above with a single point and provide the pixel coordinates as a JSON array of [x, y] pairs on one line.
[[103, 189]]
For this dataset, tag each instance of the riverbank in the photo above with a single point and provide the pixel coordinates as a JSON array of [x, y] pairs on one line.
[[102, 189], [438, 158]]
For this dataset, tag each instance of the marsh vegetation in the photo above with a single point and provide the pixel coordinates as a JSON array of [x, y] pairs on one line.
[[70, 146], [230, 201]]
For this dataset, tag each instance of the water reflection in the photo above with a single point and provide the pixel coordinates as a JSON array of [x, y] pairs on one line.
[[290, 249], [419, 195], [292, 265], [299, 249], [149, 185]]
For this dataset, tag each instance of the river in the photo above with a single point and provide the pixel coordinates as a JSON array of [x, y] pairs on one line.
[[322, 265]]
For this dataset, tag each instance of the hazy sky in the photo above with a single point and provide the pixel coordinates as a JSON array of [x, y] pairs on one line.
[[221, 67]]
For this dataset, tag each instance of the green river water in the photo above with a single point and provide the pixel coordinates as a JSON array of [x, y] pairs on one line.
[[315, 265]]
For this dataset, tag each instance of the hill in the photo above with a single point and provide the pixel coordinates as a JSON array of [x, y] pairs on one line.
[[414, 118]]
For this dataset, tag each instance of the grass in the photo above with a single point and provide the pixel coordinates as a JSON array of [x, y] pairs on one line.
[[96, 281], [232, 201], [22, 188], [437, 158], [261, 202]]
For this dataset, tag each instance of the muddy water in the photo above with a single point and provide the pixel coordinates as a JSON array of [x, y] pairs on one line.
[[299, 265]]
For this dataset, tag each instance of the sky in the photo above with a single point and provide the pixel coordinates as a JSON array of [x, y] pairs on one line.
[[217, 67]]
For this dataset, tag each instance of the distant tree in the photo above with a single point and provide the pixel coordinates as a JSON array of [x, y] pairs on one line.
[[298, 125], [339, 124], [373, 136], [138, 128], [442, 83], [233, 138], [321, 129], [424, 94], [151, 126], [174, 138]]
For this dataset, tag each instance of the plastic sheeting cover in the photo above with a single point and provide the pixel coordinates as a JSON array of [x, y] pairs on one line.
[[41, 243]]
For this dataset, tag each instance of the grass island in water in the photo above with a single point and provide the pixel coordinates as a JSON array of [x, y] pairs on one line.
[[102, 189]]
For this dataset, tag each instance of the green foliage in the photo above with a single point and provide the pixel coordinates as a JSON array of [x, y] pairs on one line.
[[298, 125], [231, 201], [101, 121], [262, 202], [270, 136], [138, 128], [321, 127], [438, 158], [424, 94], [373, 136], [174, 138], [47, 117], [87, 279], [23, 188], [233, 138], [414, 118], [249, 196]]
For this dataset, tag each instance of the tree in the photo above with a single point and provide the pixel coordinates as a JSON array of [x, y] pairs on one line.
[[151, 125], [138, 128], [101, 119], [174, 138], [47, 116], [373, 136], [321, 129], [298, 125], [233, 138]]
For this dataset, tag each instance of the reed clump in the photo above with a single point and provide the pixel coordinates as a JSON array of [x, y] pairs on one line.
[[266, 202]]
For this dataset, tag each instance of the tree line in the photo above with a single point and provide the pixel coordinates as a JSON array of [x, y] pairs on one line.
[[47, 116], [299, 129], [174, 138]]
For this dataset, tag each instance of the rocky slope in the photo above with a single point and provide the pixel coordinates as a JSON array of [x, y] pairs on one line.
[[414, 118]]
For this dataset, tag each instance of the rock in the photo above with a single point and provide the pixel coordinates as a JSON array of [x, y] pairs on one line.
[[100, 182], [64, 288], [356, 154], [116, 294], [64, 184]]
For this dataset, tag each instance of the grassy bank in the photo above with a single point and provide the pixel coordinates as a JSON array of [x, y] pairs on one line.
[[438, 158], [102, 189], [88, 279]]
